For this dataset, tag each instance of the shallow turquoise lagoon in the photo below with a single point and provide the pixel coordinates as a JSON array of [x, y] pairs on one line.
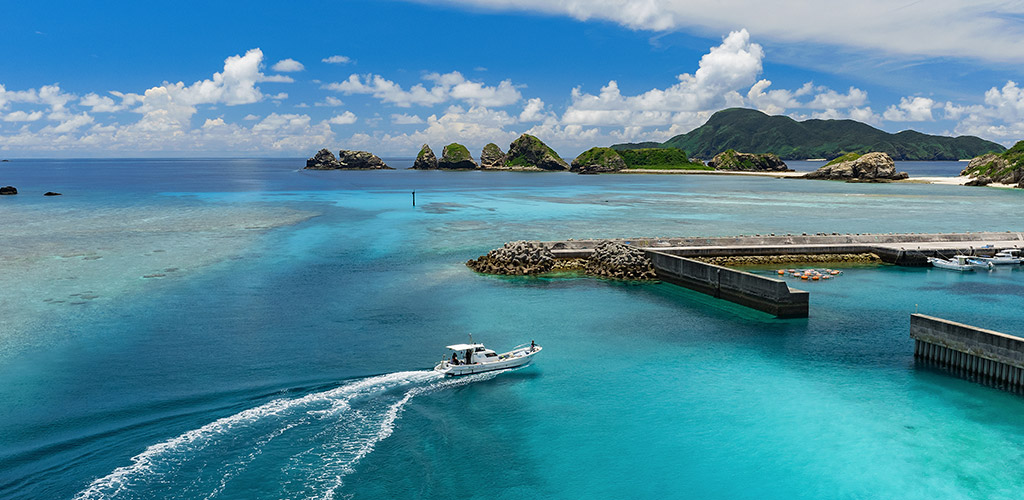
[[284, 349]]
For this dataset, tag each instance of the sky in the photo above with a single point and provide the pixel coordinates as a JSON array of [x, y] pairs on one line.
[[262, 79]]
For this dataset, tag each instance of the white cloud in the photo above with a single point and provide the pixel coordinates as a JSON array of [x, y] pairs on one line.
[[21, 116], [287, 66], [534, 111], [277, 79], [330, 101], [250, 117], [830, 99], [1001, 117], [939, 28], [448, 86], [346, 118], [406, 119], [726, 68], [336, 60], [916, 109]]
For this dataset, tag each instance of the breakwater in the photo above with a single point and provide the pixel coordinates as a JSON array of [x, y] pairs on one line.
[[905, 249], [770, 295], [967, 350]]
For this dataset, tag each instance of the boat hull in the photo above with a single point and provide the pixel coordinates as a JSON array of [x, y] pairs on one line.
[[513, 360]]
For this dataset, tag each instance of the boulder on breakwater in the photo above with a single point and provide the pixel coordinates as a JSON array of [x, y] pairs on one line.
[[609, 260], [516, 258], [618, 261]]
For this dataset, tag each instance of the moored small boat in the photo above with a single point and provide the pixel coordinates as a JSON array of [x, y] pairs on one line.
[[960, 263], [1006, 257], [473, 358]]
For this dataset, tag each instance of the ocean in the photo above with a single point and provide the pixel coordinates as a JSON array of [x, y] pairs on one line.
[[241, 328]]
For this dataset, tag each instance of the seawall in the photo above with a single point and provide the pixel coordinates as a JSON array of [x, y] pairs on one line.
[[964, 349], [770, 295]]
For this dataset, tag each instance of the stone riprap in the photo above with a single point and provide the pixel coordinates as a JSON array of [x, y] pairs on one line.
[[618, 261], [515, 258]]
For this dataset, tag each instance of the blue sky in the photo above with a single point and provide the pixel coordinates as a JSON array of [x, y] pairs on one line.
[[262, 79]]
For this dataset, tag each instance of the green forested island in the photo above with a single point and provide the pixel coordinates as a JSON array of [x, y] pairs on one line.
[[752, 131]]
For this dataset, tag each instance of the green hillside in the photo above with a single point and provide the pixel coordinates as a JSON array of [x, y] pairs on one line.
[[752, 131]]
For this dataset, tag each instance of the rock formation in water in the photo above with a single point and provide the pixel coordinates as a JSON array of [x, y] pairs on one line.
[[361, 160], [618, 261], [323, 160], [530, 153], [425, 160], [874, 167], [492, 158], [732, 160], [598, 160], [515, 258], [7, 190], [456, 157], [51, 193], [348, 160], [1003, 168]]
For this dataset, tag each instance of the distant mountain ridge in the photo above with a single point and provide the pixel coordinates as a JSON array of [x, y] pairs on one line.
[[751, 131]]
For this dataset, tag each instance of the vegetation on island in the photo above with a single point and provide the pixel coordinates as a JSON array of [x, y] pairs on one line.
[[753, 131], [660, 159], [1006, 167], [528, 152], [845, 157], [456, 152]]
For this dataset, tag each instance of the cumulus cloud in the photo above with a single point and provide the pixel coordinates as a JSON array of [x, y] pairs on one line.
[[330, 101], [346, 118], [534, 111], [939, 28], [336, 60], [287, 66], [448, 86], [21, 116], [406, 119], [1001, 117], [915, 109]]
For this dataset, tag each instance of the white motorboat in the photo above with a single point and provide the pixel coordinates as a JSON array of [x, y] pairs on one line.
[[960, 263], [1007, 257], [473, 358]]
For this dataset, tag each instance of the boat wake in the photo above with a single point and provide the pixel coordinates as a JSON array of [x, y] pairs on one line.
[[326, 434]]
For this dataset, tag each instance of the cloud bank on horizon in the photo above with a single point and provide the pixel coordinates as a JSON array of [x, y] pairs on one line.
[[402, 111]]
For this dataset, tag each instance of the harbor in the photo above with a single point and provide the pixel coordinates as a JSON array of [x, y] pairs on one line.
[[988, 355]]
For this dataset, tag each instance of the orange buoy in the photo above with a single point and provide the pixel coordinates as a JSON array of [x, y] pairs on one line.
[[834, 273], [827, 277], [781, 271], [803, 277], [815, 277]]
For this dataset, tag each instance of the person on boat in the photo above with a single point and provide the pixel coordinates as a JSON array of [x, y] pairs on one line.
[[468, 354], [533, 346], [455, 359]]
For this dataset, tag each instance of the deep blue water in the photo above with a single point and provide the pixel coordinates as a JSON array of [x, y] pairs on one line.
[[297, 365]]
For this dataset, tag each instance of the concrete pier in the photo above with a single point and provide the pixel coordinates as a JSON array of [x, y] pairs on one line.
[[994, 356], [770, 295], [906, 249]]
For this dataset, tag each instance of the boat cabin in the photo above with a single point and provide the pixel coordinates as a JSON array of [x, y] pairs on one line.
[[468, 354]]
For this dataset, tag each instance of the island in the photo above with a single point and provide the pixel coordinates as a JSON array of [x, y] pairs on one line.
[[756, 132]]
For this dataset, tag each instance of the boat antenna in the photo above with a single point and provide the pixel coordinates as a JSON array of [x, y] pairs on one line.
[[471, 338]]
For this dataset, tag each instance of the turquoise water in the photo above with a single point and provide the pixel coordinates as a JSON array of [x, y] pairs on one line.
[[288, 353]]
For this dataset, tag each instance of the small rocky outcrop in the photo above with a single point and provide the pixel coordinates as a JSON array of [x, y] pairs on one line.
[[872, 167], [598, 160], [516, 258], [8, 190], [618, 261], [530, 153], [323, 160], [425, 160], [492, 158], [456, 157], [361, 160], [730, 159], [1003, 168], [51, 193]]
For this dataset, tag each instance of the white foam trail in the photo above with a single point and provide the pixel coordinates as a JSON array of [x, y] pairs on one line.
[[121, 479]]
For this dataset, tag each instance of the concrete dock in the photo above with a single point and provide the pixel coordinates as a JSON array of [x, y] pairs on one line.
[[674, 259], [996, 357], [905, 249]]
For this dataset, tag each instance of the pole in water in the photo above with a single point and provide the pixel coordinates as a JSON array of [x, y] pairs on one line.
[[414, 198]]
